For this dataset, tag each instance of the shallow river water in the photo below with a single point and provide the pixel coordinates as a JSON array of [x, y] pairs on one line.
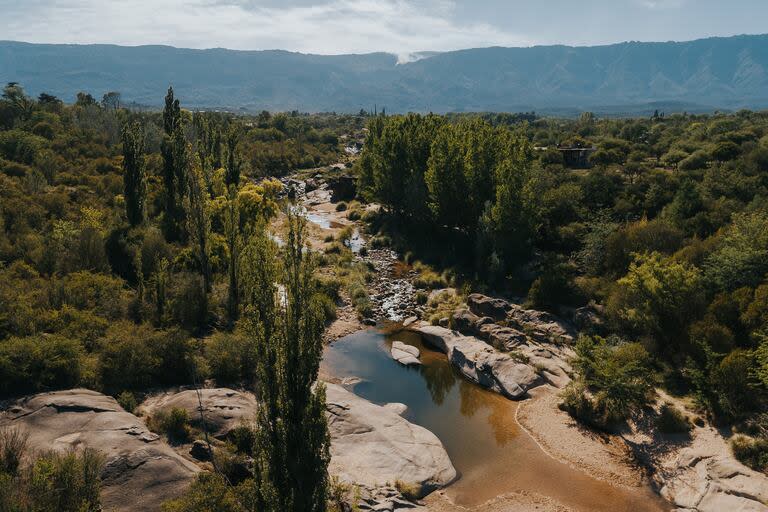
[[478, 428]]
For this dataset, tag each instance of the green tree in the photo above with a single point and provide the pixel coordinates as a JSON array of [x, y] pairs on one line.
[[175, 163], [742, 256], [134, 174], [658, 297], [284, 319], [234, 164], [198, 214]]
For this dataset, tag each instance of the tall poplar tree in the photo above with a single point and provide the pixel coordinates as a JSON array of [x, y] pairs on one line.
[[284, 320], [134, 174], [175, 163]]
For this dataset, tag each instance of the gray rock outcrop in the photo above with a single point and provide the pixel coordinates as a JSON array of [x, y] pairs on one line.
[[705, 477], [539, 325], [223, 408], [405, 354], [373, 446], [141, 470], [480, 362]]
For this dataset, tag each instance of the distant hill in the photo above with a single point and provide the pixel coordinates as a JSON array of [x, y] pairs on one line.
[[725, 73]]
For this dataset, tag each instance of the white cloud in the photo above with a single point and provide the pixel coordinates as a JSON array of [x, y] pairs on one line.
[[335, 26], [662, 4]]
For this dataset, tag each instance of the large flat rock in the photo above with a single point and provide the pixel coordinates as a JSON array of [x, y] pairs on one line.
[[706, 477], [223, 408], [141, 470], [480, 362], [374, 446]]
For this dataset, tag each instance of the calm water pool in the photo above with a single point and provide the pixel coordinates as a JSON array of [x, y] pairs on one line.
[[478, 428]]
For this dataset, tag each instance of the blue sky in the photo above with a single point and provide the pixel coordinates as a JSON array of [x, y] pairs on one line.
[[358, 26]]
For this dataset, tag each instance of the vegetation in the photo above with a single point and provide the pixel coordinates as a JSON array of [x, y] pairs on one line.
[[68, 482], [665, 231]]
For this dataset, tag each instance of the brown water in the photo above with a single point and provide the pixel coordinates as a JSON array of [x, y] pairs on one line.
[[489, 450]]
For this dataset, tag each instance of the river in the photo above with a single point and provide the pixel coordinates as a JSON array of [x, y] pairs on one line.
[[492, 454]]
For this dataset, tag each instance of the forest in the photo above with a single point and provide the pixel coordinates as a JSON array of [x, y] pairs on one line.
[[134, 255]]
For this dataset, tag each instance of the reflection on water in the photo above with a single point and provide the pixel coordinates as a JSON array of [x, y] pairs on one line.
[[477, 427]]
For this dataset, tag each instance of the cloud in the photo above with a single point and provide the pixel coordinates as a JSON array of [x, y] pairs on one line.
[[662, 4], [330, 27]]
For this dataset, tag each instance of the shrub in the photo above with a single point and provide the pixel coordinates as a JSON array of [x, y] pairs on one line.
[[613, 381], [342, 206], [731, 381], [104, 295], [672, 420], [428, 278], [40, 362], [328, 306], [354, 215], [380, 241], [210, 492], [66, 482], [127, 401], [243, 437], [13, 446], [136, 357], [230, 357], [752, 452], [408, 490], [174, 423]]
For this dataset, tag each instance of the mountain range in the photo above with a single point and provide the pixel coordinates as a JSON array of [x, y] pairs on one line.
[[716, 73]]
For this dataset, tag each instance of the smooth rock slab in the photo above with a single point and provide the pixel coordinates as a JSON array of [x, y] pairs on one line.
[[480, 362], [372, 445], [223, 408], [405, 354], [141, 471]]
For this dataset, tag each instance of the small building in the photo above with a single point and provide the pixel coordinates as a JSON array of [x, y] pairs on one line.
[[576, 157]]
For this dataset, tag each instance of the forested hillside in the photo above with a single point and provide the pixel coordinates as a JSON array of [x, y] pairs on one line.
[[626, 78]]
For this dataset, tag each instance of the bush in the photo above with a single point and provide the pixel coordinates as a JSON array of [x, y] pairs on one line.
[[38, 363], [243, 437], [752, 452], [211, 493], [380, 241], [230, 357], [731, 381], [614, 381], [13, 446], [66, 482], [428, 278], [672, 421], [136, 357], [173, 423], [342, 206], [127, 401]]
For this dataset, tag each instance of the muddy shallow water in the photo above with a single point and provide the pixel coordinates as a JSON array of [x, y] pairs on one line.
[[478, 428]]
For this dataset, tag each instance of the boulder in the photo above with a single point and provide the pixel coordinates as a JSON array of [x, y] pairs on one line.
[[481, 363], [311, 184], [373, 445], [141, 471], [223, 408], [540, 325], [405, 354], [200, 450], [482, 305]]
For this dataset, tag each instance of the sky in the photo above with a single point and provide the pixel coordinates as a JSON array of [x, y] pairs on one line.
[[402, 27]]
